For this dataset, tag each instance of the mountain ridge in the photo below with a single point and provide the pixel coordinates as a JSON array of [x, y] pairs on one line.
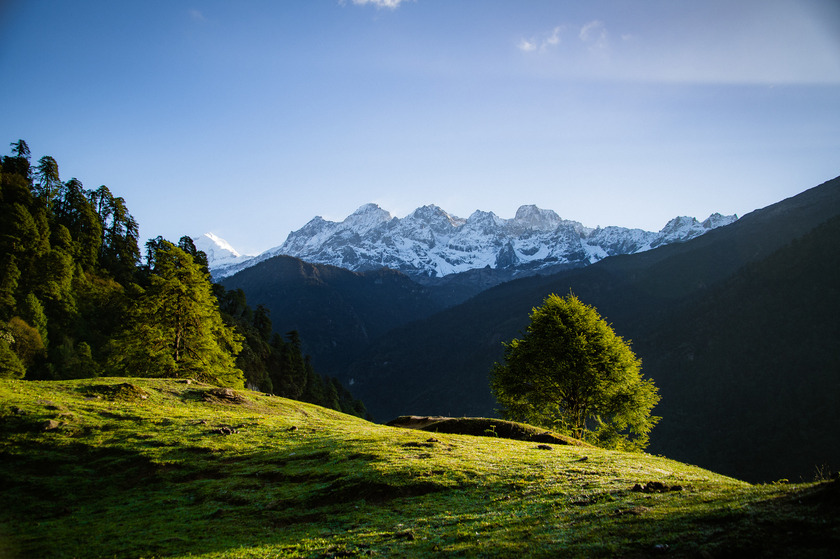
[[430, 244]]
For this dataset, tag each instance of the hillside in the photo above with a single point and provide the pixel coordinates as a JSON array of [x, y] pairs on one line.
[[439, 366], [337, 312], [139, 467]]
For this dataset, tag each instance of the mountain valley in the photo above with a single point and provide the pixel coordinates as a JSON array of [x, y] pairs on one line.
[[432, 356]]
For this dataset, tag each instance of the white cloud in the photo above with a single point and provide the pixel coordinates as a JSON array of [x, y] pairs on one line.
[[526, 45], [543, 42], [554, 38], [595, 35], [390, 4]]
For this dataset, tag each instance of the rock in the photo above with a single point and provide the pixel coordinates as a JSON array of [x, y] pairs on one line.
[[543, 447], [50, 425], [225, 431]]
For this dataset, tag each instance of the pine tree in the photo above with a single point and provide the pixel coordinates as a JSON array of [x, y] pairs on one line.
[[176, 329]]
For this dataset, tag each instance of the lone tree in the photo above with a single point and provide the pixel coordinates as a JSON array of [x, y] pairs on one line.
[[570, 372]]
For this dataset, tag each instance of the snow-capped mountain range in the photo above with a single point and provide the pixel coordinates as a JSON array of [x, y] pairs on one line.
[[430, 243]]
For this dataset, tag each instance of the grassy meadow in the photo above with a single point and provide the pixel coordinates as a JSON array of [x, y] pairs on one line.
[[134, 467]]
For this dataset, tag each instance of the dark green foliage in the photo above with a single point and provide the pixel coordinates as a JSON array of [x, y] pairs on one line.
[[337, 312], [75, 301], [756, 362], [175, 329], [10, 365], [276, 365], [571, 373]]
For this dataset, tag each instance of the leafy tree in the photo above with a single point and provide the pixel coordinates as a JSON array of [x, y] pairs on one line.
[[176, 329], [572, 373], [26, 341], [10, 365], [32, 311], [9, 276]]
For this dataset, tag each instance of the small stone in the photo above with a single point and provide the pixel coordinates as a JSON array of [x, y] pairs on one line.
[[225, 431], [50, 425]]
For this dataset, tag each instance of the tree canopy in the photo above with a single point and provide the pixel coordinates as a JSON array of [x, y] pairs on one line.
[[570, 372], [76, 301], [175, 327]]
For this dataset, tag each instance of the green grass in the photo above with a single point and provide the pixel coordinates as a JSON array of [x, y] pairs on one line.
[[140, 468]]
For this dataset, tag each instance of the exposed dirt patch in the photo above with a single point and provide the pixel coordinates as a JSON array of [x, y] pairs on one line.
[[223, 396], [483, 427], [124, 392]]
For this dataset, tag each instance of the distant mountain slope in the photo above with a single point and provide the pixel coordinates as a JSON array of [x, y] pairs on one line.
[[439, 366], [754, 365], [430, 243], [336, 311]]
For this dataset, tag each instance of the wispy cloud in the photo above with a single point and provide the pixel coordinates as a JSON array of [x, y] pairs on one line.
[[527, 45], [594, 34], [196, 15], [542, 42], [390, 4]]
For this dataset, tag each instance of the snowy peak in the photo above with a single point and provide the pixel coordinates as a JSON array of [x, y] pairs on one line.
[[430, 242], [717, 220], [532, 217], [221, 256], [366, 218], [217, 249]]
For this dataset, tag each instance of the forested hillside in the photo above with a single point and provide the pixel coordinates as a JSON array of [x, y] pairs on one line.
[[77, 300], [338, 311]]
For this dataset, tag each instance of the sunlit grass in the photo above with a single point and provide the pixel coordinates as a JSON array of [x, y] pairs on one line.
[[146, 471]]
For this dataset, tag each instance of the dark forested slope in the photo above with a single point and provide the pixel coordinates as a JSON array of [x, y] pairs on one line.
[[338, 313], [440, 365]]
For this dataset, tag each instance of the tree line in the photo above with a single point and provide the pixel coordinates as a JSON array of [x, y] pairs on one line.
[[77, 300]]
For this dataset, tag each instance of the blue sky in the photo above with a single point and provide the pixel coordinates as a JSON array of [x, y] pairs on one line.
[[248, 118]]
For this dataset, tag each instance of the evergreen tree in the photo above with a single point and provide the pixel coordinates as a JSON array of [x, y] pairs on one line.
[[572, 373], [49, 183], [176, 329]]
